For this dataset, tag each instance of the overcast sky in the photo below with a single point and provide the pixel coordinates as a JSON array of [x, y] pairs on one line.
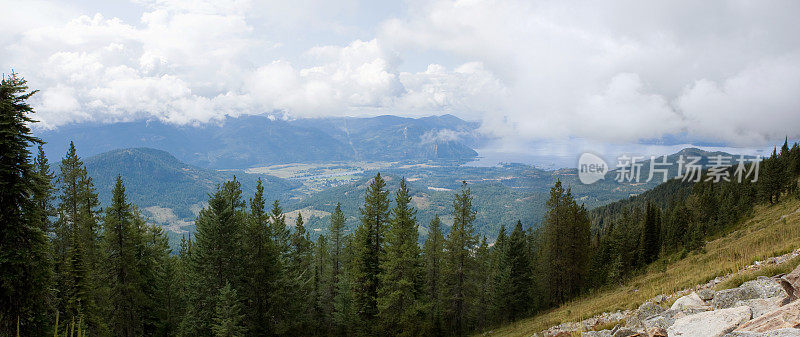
[[726, 72]]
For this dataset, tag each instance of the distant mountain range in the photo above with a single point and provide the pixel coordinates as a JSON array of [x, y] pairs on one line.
[[249, 141]]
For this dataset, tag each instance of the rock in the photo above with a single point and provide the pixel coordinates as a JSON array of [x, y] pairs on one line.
[[727, 298], [761, 306], [787, 316], [663, 320], [706, 294], [625, 333], [787, 332], [762, 287], [766, 287], [601, 333], [710, 323], [690, 303], [648, 309], [791, 283], [657, 332]]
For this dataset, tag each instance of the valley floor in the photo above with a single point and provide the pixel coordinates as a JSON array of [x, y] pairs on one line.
[[730, 259]]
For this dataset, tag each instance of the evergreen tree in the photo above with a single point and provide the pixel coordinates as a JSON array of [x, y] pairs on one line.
[[159, 310], [484, 284], [43, 193], [433, 261], [501, 273], [400, 272], [344, 315], [566, 235], [322, 293], [215, 259], [651, 234], [367, 252], [263, 267], [459, 262], [520, 277], [24, 252], [301, 285], [227, 314], [336, 233], [76, 245], [121, 266]]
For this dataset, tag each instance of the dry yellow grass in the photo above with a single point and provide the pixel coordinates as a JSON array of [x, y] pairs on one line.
[[772, 231]]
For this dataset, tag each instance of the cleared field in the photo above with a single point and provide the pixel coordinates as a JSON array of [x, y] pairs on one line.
[[771, 231]]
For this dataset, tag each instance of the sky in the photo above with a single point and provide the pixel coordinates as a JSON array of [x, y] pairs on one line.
[[616, 72]]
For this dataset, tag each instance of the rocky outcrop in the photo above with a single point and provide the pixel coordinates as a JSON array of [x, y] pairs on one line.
[[787, 316], [764, 307], [690, 303], [715, 323], [789, 332]]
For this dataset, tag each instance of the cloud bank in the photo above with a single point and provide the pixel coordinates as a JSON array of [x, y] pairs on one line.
[[619, 71]]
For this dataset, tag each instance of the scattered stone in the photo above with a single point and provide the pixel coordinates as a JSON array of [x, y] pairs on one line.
[[766, 287], [648, 309], [787, 316], [657, 332], [690, 303], [710, 323], [706, 294], [625, 333], [727, 298], [664, 320], [791, 283], [787, 332], [761, 306], [601, 333]]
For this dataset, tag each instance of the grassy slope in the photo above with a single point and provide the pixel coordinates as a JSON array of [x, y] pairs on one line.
[[759, 237]]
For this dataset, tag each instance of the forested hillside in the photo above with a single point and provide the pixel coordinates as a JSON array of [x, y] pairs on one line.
[[167, 190]]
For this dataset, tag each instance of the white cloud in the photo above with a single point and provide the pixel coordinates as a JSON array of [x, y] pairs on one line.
[[618, 71]]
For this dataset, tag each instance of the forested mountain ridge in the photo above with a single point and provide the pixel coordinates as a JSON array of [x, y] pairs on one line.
[[167, 190], [250, 140]]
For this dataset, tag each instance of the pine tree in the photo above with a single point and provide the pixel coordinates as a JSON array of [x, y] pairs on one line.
[[336, 233], [501, 273], [121, 266], [344, 316], [459, 262], [24, 252], [367, 252], [651, 234], [322, 293], [158, 307], [433, 261], [227, 314], [215, 259], [566, 247], [43, 194], [520, 276], [263, 265], [484, 284], [76, 243], [400, 272], [301, 273]]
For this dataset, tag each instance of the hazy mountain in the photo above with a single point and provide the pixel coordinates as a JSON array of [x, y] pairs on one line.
[[258, 140]]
